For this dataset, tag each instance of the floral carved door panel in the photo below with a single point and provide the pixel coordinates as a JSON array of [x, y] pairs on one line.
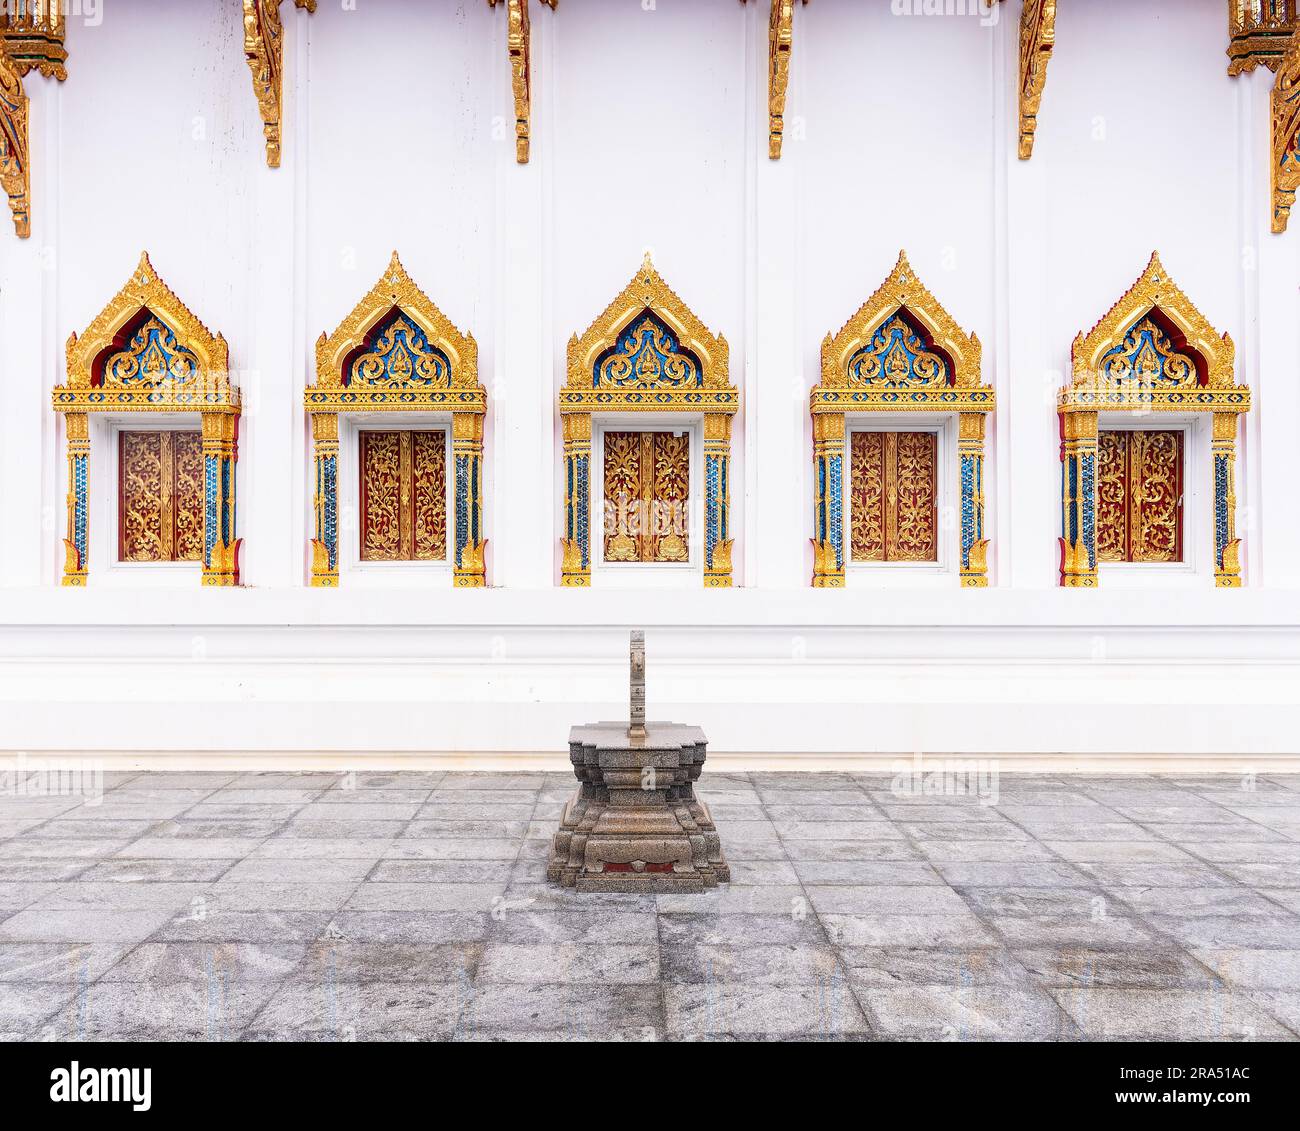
[[403, 480], [894, 496], [1140, 496], [160, 496], [647, 497]]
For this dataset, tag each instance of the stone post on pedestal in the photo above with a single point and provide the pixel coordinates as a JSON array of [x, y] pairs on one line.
[[635, 824]]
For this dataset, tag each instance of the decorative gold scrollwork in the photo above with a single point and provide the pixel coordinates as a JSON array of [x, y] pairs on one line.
[[15, 171], [264, 49]]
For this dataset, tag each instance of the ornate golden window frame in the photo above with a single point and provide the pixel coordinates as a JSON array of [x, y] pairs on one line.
[[713, 397], [463, 397], [206, 390], [841, 394], [1093, 391]]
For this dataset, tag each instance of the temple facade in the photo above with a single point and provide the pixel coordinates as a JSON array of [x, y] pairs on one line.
[[841, 360]]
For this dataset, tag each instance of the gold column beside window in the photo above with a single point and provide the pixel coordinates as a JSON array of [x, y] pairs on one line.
[[894, 496], [1140, 496], [160, 496], [647, 497], [403, 496]]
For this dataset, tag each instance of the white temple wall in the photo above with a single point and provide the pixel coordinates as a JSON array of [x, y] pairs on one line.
[[398, 134]]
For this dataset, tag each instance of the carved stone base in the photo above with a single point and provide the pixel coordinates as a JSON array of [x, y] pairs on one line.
[[635, 824]]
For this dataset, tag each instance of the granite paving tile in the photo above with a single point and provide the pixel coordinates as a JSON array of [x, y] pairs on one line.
[[74, 963], [1253, 969], [967, 1013], [214, 962], [1129, 1014], [719, 1008], [932, 966]]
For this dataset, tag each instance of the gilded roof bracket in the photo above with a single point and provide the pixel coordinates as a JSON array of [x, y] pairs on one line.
[[264, 47], [33, 30], [1286, 135], [1259, 32], [1037, 38], [518, 44], [15, 171]]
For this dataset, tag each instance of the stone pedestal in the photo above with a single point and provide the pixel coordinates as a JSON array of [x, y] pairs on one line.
[[635, 824]]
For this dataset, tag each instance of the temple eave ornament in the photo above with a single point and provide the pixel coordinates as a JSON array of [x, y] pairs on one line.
[[426, 366], [1153, 352], [34, 31], [146, 352], [1037, 39], [1259, 33], [519, 47], [15, 168], [780, 43], [1285, 166], [902, 352], [264, 49]]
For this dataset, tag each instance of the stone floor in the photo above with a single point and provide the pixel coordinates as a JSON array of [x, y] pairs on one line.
[[412, 905]]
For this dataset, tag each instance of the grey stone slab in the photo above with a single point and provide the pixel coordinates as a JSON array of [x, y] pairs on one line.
[[1253, 969], [1029, 917], [216, 924], [851, 796], [1128, 1014], [750, 872], [17, 894], [212, 962], [1083, 966], [346, 961], [371, 896], [1263, 874], [422, 829], [493, 796], [73, 963], [348, 1011], [357, 811], [956, 811], [187, 828], [974, 1013], [790, 964], [413, 927], [547, 897], [601, 964], [590, 927], [838, 831], [736, 899], [149, 781], [1188, 875], [782, 813], [1245, 852], [289, 798], [801, 780], [1219, 931], [84, 925], [367, 780], [738, 930], [263, 895], [31, 871], [447, 848], [844, 850], [218, 814], [280, 780], [326, 829], [23, 1007], [988, 851], [923, 831], [1118, 852], [171, 848], [1288, 898], [520, 811], [480, 783], [335, 848], [861, 873], [1282, 1006], [109, 894], [79, 828], [1210, 902], [317, 870], [30, 848], [982, 874], [496, 872], [31, 809], [586, 1011], [148, 871], [1238, 830], [376, 796], [928, 966], [731, 812], [956, 931], [718, 1008], [908, 899]]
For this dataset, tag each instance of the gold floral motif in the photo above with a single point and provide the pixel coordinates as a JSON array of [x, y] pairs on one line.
[[893, 496], [1037, 39], [1139, 496], [403, 496], [647, 489], [1286, 135], [867, 457], [15, 172], [1112, 497], [622, 489], [160, 484]]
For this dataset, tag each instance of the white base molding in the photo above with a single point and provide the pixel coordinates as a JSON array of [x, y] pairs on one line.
[[558, 762]]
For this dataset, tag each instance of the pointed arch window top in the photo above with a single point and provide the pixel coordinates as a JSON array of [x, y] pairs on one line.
[[1154, 347], [396, 350], [147, 349], [648, 350], [901, 349]]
